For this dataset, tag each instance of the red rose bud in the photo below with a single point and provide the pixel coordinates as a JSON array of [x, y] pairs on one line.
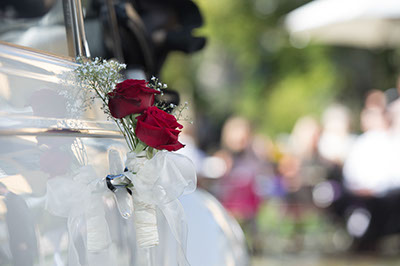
[[158, 129], [131, 96]]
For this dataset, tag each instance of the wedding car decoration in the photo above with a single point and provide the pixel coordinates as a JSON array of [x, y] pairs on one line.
[[153, 175]]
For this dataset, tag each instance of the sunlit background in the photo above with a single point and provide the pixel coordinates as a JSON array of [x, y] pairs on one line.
[[279, 103]]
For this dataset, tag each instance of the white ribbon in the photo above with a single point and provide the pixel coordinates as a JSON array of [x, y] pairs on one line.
[[80, 200], [159, 182]]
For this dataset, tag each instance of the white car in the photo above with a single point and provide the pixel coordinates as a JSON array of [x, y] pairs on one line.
[[45, 135]]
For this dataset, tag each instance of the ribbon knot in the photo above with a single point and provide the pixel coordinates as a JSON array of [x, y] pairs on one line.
[[115, 182]]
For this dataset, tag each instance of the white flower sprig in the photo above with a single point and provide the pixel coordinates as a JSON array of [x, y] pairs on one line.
[[101, 76]]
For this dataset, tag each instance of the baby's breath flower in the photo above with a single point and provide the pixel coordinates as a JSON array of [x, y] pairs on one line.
[[100, 77]]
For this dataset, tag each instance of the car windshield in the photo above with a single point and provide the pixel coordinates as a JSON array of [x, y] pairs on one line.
[[36, 24]]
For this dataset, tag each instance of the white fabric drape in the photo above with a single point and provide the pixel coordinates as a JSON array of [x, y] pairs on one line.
[[80, 200], [157, 183], [160, 181]]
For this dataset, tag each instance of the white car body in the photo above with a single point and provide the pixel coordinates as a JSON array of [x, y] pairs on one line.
[[45, 134]]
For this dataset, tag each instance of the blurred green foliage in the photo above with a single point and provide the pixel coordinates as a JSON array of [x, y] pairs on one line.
[[251, 67]]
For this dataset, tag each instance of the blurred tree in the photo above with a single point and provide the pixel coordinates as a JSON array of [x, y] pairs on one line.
[[251, 67]]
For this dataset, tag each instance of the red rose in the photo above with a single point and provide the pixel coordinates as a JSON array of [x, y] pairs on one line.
[[131, 96], [158, 129]]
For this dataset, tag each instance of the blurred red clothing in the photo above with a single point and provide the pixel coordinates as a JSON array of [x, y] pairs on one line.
[[239, 190]]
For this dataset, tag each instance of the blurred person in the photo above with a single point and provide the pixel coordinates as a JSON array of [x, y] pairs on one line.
[[336, 139], [334, 146], [238, 190], [304, 137], [375, 99], [370, 193], [303, 143], [21, 228], [289, 170], [263, 149], [394, 108], [365, 169], [393, 115], [299, 169]]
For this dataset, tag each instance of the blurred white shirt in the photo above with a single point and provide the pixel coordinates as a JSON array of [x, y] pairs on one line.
[[373, 163]]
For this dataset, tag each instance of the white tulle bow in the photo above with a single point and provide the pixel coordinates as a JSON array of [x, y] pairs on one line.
[[80, 200], [159, 182]]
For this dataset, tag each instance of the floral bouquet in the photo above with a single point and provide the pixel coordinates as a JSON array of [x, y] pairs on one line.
[[153, 176]]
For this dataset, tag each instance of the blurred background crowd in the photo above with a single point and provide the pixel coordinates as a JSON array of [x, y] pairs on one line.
[[298, 139]]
